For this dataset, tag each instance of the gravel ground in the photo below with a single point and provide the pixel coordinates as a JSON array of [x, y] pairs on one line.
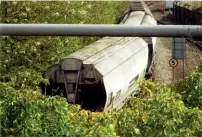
[[162, 72]]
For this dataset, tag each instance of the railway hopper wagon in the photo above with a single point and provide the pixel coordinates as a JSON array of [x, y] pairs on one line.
[[102, 75]]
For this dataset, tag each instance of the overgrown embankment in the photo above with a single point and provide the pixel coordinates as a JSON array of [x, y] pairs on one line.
[[159, 110], [24, 58]]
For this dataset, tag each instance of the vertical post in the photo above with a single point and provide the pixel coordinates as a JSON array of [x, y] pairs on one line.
[[183, 68], [173, 73], [184, 52], [178, 52]]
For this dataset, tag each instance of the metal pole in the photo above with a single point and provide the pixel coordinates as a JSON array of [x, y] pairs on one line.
[[173, 73], [100, 30], [184, 59], [183, 69]]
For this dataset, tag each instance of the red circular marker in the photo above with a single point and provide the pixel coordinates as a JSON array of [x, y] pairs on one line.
[[173, 62]]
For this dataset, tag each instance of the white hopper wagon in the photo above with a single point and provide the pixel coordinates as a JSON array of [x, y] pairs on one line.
[[102, 75]]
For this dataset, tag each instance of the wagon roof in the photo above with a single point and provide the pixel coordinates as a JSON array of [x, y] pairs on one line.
[[109, 52]]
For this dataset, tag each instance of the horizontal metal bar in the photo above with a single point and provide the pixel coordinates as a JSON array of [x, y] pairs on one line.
[[100, 30]]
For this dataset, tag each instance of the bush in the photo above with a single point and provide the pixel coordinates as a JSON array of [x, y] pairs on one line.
[[191, 89], [163, 114], [28, 113]]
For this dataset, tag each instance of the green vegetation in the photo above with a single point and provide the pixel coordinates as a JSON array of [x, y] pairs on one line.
[[23, 59], [191, 89], [158, 111], [28, 113]]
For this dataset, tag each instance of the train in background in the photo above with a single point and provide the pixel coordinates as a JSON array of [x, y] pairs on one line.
[[102, 76]]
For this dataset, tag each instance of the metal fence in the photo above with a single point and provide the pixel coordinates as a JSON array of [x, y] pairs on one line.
[[184, 13]]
